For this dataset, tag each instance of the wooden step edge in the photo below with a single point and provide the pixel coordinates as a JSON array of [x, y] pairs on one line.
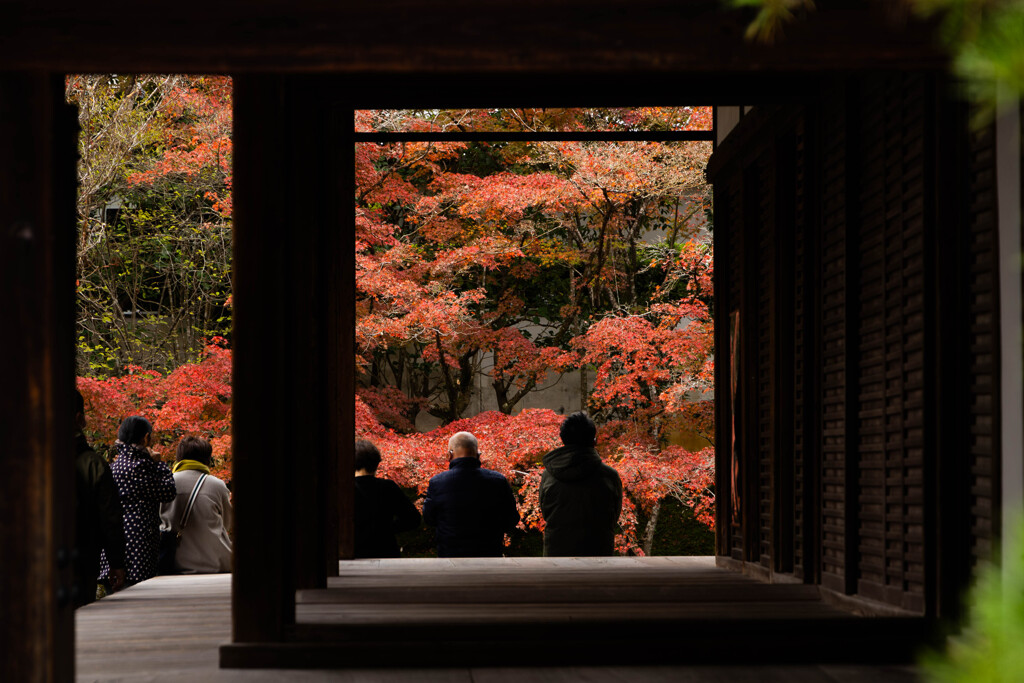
[[567, 648]]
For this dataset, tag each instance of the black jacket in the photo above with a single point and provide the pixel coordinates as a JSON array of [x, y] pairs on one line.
[[580, 498], [98, 521], [381, 510], [472, 507]]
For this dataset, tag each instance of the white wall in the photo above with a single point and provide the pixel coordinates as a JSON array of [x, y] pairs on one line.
[[726, 118]]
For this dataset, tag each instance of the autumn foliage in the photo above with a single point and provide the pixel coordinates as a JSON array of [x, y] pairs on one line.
[[521, 260], [193, 399]]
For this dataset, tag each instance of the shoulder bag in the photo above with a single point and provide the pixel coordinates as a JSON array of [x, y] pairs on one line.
[[169, 538]]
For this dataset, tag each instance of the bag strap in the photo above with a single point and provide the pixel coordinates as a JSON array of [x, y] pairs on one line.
[[191, 501]]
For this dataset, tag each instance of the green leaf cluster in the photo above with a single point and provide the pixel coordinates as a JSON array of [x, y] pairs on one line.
[[989, 649]]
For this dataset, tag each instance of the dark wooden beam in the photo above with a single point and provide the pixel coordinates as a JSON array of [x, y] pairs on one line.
[[37, 281], [604, 38]]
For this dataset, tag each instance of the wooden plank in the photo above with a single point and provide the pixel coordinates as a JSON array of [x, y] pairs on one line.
[[453, 616], [575, 592], [37, 281], [167, 624]]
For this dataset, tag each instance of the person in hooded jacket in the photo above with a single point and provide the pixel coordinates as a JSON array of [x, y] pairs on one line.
[[580, 496]]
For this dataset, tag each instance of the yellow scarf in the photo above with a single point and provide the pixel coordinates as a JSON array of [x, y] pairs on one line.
[[183, 465]]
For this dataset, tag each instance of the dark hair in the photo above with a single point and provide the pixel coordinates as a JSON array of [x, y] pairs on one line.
[[578, 430], [79, 402], [367, 456], [133, 430], [195, 448]]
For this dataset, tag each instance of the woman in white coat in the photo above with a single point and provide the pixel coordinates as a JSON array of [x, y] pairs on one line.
[[205, 546]]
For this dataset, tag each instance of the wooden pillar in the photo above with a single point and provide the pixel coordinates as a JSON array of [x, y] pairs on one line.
[[723, 375], [344, 318], [851, 351], [37, 299], [783, 354], [293, 363], [747, 419]]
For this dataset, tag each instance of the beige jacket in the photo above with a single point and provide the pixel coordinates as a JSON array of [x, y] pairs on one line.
[[205, 546]]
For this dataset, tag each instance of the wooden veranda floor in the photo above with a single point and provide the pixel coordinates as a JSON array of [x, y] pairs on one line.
[[493, 616]]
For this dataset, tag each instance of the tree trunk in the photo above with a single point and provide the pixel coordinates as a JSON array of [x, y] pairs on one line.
[[652, 524], [583, 388], [500, 387]]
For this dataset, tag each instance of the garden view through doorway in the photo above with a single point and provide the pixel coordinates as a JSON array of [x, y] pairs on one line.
[[512, 266]]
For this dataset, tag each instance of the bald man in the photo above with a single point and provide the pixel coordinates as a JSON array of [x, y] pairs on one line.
[[472, 507]]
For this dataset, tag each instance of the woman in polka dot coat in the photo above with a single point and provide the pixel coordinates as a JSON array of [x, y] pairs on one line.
[[143, 482]]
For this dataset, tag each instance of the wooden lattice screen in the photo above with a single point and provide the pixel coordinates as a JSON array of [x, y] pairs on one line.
[[892, 340], [763, 214], [984, 344], [805, 355], [833, 276], [844, 286]]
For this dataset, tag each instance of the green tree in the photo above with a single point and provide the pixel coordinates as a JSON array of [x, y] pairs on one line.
[[154, 211]]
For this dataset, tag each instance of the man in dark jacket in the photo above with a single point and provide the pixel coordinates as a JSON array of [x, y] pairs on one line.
[[98, 516], [580, 496], [472, 507]]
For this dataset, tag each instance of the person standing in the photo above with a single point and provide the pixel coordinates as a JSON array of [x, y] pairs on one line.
[[143, 482], [381, 509], [580, 496], [205, 544], [472, 507], [98, 516]]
